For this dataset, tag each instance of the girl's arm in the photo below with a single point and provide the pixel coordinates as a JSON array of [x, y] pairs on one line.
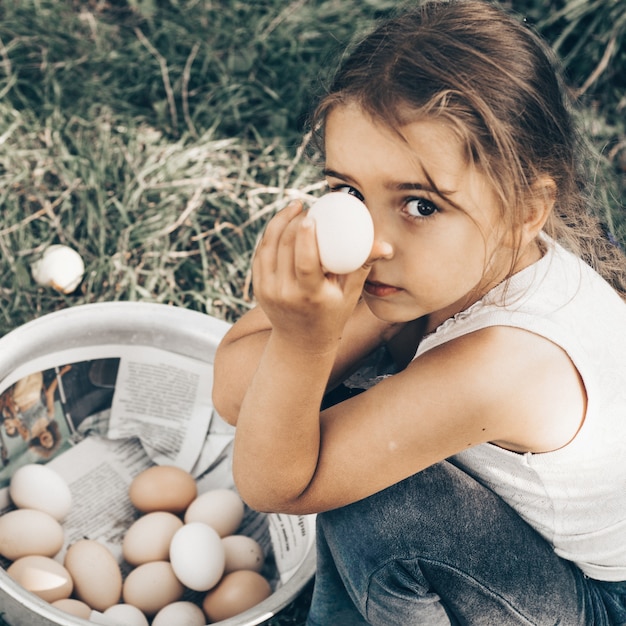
[[500, 385], [240, 351]]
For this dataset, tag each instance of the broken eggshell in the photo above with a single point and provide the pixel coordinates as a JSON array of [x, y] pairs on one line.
[[60, 267]]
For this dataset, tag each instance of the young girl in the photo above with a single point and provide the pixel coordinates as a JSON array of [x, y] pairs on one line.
[[480, 478]]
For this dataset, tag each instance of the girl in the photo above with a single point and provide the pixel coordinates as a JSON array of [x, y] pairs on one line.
[[479, 479]]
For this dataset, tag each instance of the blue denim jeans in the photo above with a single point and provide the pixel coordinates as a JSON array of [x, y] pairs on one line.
[[439, 548]]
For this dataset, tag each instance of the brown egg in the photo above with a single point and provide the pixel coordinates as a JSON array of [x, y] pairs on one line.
[[27, 531], [162, 488], [73, 607], [96, 573], [152, 586], [149, 537], [222, 509], [42, 576], [235, 593], [242, 552]]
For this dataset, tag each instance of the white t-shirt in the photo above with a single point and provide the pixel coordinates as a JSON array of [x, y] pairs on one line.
[[575, 497]]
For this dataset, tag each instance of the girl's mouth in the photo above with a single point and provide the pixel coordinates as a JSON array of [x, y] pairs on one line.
[[380, 290]]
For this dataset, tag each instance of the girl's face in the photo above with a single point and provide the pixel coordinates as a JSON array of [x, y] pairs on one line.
[[435, 210]]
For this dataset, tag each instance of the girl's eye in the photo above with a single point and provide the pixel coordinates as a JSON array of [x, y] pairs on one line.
[[349, 190], [420, 207]]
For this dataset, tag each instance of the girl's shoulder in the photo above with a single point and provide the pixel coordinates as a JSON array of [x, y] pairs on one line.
[[559, 297], [524, 388], [532, 349]]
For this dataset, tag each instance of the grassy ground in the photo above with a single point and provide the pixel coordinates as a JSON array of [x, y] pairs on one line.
[[158, 136]]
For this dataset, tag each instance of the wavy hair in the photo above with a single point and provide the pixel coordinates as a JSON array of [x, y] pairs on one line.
[[486, 74]]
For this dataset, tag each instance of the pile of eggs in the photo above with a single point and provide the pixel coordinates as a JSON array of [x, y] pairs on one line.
[[181, 542]]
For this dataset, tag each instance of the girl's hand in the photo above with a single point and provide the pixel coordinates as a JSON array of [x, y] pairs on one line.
[[308, 306]]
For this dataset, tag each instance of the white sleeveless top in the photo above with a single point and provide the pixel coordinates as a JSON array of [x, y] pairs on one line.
[[575, 497]]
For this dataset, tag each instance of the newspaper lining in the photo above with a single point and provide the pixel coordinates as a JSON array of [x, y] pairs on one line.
[[99, 416]]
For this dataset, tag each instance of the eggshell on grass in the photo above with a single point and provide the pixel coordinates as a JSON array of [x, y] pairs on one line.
[[60, 267]]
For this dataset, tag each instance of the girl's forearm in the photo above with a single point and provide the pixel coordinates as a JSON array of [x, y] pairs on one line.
[[235, 364], [278, 435], [239, 355]]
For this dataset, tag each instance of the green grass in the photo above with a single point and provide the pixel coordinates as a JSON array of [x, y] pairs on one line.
[[158, 136], [170, 221]]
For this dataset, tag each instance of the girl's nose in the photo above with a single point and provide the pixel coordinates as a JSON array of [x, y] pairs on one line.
[[381, 250]]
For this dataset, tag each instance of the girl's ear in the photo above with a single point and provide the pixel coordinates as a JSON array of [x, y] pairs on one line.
[[540, 205]]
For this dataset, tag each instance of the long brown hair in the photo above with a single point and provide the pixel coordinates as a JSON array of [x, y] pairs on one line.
[[496, 83]]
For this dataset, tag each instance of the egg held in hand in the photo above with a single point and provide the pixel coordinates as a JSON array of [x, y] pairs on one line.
[[344, 230]]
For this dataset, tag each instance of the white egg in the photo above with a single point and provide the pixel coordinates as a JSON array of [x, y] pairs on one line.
[[345, 232], [180, 614], [122, 615], [197, 556], [60, 267], [36, 486]]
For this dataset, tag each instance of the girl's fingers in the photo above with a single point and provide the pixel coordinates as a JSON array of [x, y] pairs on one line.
[[266, 257], [287, 247], [307, 264], [276, 226]]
